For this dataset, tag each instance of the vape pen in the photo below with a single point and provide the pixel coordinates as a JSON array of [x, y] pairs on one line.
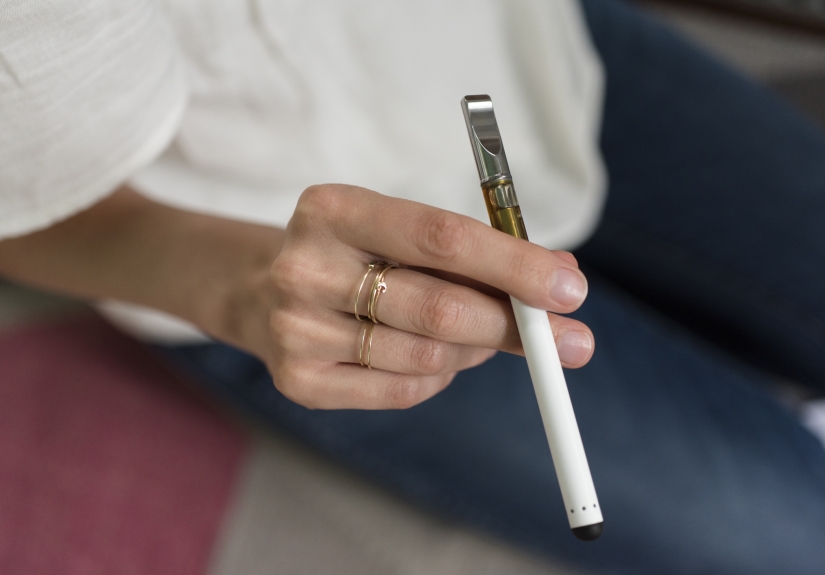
[[577, 490]]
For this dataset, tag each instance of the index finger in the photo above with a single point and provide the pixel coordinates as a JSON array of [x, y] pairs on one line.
[[421, 235]]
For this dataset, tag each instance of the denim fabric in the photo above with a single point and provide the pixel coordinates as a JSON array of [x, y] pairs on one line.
[[705, 283], [717, 197]]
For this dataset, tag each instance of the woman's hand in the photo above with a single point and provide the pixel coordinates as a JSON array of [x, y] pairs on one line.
[[429, 328], [443, 311]]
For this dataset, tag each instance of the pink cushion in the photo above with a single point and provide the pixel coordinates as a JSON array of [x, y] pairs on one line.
[[108, 462]]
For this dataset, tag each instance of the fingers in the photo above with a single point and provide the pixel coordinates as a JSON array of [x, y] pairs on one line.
[[447, 317], [397, 351], [441, 310], [435, 308], [421, 235], [338, 337], [320, 385], [421, 304]]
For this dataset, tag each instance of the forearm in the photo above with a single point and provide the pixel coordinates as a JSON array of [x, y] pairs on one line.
[[207, 270]]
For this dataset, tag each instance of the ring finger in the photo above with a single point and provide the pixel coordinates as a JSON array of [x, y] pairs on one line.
[[438, 309], [338, 337], [419, 303]]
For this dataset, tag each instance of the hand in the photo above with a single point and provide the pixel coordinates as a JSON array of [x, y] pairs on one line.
[[431, 327], [444, 311]]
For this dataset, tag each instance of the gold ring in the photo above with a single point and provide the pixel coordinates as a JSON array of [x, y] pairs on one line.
[[379, 286], [372, 266], [371, 327]]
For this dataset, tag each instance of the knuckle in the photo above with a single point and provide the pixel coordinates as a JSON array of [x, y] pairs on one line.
[[291, 380], [442, 312], [442, 235], [403, 393], [429, 356], [288, 274], [284, 330], [318, 200]]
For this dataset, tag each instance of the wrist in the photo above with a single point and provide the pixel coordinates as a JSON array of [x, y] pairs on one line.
[[236, 309], [241, 316]]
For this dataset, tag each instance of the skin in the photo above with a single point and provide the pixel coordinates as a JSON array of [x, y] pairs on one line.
[[287, 296]]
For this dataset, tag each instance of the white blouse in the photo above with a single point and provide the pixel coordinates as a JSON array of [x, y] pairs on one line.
[[234, 107]]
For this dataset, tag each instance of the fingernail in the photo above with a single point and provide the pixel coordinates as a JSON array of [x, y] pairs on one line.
[[574, 347], [568, 288]]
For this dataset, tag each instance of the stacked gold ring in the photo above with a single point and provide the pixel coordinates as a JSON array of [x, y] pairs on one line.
[[372, 266], [379, 286], [371, 327]]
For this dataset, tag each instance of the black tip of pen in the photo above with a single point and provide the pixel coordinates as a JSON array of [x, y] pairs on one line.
[[589, 532]]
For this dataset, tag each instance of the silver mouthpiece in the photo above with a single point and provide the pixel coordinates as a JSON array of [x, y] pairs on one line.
[[485, 138]]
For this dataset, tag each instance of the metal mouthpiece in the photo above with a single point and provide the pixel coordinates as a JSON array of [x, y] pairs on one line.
[[493, 171], [485, 138]]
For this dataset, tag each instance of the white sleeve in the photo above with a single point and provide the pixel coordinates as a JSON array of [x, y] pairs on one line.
[[564, 77], [90, 92]]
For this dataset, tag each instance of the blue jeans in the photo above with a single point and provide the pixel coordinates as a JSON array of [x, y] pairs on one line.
[[705, 284]]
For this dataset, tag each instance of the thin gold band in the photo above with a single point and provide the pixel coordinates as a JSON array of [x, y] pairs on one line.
[[371, 327], [379, 286], [372, 266]]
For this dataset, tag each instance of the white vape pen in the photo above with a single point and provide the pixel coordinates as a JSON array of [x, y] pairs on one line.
[[577, 490]]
